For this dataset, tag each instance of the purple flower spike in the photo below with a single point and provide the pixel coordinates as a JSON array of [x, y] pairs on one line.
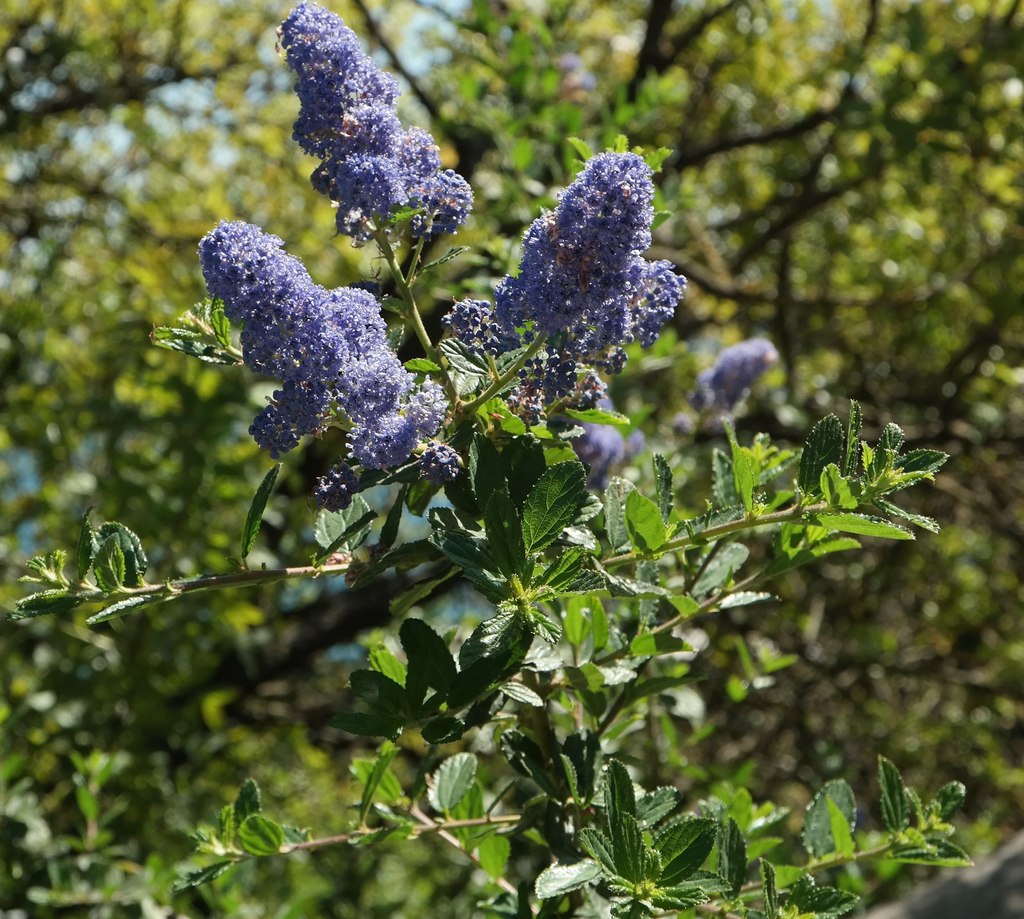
[[721, 387]]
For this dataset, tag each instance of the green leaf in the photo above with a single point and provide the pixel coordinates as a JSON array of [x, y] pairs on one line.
[[430, 663], [524, 463], [894, 510], [552, 504], [402, 602], [194, 344], [768, 889], [596, 844], [950, 799], [745, 471], [466, 368], [684, 846], [837, 490], [202, 876], [627, 846], [891, 439], [443, 730], [517, 692], [504, 533], [655, 806], [381, 694], [649, 644], [939, 852], [663, 485], [723, 565], [43, 603], [259, 836], [454, 252], [732, 855], [895, 812], [558, 880], [109, 565], [383, 661], [389, 532], [615, 496], [254, 519], [600, 416], [853, 428], [503, 634], [248, 801], [926, 461], [862, 525], [493, 853], [88, 545], [451, 781], [123, 607], [135, 561], [825, 444], [526, 758], [421, 365], [644, 523], [619, 797], [820, 902], [564, 569], [368, 725], [817, 835], [842, 829], [385, 755], [334, 530]]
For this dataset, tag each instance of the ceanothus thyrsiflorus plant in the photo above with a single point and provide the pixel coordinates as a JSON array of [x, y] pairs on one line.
[[588, 581]]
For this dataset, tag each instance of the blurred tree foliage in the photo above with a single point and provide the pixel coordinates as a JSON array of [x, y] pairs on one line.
[[845, 179]]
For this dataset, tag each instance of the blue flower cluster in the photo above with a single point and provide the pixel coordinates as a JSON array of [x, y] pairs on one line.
[[440, 463], [328, 347], [721, 387], [334, 490], [370, 165], [583, 284]]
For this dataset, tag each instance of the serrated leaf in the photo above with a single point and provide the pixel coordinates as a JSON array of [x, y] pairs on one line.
[[837, 490], [259, 836], [368, 725], [768, 889], [552, 504], [404, 601], [42, 603], [454, 252], [817, 835], [891, 439], [467, 369], [926, 461], [825, 444], [940, 852], [600, 416], [452, 780], [430, 662], [443, 730], [503, 634], [842, 829], [627, 846], [385, 755], [644, 523], [732, 855], [655, 806], [517, 692], [615, 496], [194, 344], [745, 472], [895, 813], [123, 607], [821, 902], [894, 510], [558, 880], [685, 845], [649, 644], [853, 428], [381, 694], [109, 565], [663, 485], [597, 845], [493, 854], [135, 561], [202, 876], [333, 529], [526, 758], [723, 565], [248, 801], [504, 533], [950, 799], [862, 525], [88, 545]]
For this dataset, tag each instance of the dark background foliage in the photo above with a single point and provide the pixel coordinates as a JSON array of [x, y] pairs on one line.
[[844, 179]]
